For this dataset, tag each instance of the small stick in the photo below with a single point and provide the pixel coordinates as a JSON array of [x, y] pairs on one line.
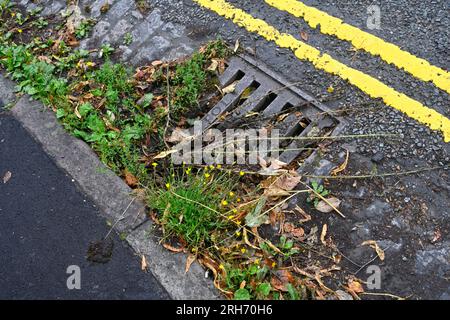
[[120, 218], [368, 176], [168, 109], [385, 295]]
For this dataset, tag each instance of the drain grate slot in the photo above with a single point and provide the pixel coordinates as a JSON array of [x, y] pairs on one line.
[[235, 76], [267, 100], [262, 99]]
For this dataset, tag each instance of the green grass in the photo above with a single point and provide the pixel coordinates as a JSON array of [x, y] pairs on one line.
[[82, 31], [192, 205], [119, 150], [128, 39], [191, 79]]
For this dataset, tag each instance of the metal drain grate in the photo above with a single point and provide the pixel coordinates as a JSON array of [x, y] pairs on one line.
[[260, 92]]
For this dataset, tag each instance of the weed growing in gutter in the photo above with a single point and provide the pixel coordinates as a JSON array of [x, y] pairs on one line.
[[122, 114]]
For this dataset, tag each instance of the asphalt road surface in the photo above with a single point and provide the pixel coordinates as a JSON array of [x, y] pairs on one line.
[[47, 224]]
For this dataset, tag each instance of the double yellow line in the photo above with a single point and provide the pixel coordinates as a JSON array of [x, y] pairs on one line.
[[371, 86], [390, 53]]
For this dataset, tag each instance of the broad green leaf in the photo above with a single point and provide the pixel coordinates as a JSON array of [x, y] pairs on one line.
[[85, 108], [292, 292], [148, 98], [242, 294], [255, 218], [60, 113], [264, 289]]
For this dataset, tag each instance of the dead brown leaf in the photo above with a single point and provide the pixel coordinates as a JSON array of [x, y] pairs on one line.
[[355, 286], [306, 217], [342, 166], [164, 154], [212, 265], [7, 176], [275, 192], [288, 227], [130, 179], [281, 279], [288, 182], [189, 260], [323, 234], [275, 167], [246, 240], [280, 186], [298, 232], [222, 66], [304, 35], [329, 205], [144, 264], [157, 63], [214, 65], [236, 46], [179, 135], [437, 236], [230, 88], [276, 164], [45, 59], [373, 244], [172, 248]]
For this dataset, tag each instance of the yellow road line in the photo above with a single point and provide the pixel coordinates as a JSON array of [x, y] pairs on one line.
[[373, 87], [390, 53]]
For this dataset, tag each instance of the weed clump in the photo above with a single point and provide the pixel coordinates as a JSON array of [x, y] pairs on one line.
[[192, 206]]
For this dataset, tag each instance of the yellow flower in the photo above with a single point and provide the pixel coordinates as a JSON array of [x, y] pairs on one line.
[[231, 194], [238, 223], [238, 234], [330, 89], [257, 261], [19, 30], [90, 64], [219, 166], [194, 250], [207, 175], [234, 210], [154, 164], [211, 166], [168, 185], [221, 267], [230, 217], [274, 264], [224, 202], [238, 199], [241, 173], [243, 250]]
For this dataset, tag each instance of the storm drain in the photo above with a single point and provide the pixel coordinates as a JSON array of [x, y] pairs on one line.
[[262, 99]]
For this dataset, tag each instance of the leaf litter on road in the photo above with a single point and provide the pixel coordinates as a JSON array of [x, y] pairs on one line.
[[7, 176]]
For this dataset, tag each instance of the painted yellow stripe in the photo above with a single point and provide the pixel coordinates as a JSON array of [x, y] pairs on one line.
[[373, 87], [390, 53]]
